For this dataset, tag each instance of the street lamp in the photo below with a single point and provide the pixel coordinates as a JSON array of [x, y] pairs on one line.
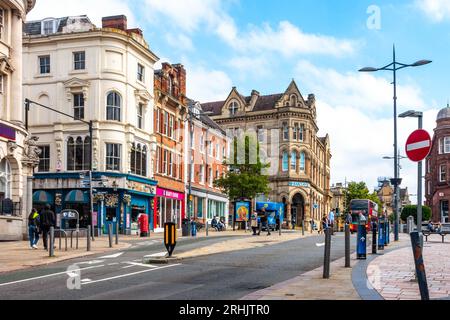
[[419, 115], [394, 66]]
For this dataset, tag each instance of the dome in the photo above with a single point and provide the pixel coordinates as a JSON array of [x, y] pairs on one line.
[[444, 114]]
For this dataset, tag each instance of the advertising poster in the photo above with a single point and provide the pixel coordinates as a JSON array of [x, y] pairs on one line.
[[242, 211]]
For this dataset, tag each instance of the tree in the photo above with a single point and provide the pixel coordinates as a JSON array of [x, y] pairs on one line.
[[356, 190], [245, 178], [412, 211]]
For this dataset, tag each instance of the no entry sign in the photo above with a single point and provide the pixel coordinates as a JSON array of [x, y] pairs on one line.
[[418, 145]]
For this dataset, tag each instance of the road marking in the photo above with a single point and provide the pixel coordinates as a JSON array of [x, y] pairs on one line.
[[140, 264], [126, 267], [86, 280], [113, 256], [113, 264], [320, 244], [92, 262], [131, 274], [161, 254], [46, 276]]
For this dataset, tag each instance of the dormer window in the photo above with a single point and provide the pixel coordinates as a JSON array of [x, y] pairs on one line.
[[48, 26], [234, 108]]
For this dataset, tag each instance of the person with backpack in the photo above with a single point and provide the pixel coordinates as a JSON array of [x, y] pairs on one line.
[[48, 220], [33, 228]]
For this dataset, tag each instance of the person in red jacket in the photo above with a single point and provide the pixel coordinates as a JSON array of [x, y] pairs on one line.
[[143, 225]]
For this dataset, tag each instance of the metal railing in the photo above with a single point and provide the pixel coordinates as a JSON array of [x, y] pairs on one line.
[[9, 208]]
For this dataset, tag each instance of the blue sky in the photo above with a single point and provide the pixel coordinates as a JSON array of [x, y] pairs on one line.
[[262, 45]]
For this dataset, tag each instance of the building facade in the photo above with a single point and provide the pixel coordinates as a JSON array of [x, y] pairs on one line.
[[208, 150], [285, 125], [102, 76], [18, 152], [169, 113], [437, 178], [338, 202], [386, 195]]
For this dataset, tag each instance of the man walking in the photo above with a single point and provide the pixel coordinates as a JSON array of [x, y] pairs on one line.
[[48, 220]]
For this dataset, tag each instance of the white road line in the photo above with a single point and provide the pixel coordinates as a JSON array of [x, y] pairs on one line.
[[86, 280], [113, 264], [113, 256], [126, 267], [46, 276], [141, 264], [161, 254], [131, 274]]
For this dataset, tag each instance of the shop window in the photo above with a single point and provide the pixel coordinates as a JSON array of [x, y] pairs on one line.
[[5, 179]]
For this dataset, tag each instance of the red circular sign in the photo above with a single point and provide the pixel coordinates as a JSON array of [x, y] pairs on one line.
[[418, 145]]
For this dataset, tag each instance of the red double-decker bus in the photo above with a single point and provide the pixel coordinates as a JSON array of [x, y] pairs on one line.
[[368, 208]]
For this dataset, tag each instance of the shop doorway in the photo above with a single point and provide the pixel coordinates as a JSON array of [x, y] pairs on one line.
[[298, 209]]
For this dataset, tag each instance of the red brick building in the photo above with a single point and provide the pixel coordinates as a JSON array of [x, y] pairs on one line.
[[437, 178], [170, 110]]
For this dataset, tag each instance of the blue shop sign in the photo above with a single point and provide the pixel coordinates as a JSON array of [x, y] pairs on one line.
[[299, 184]]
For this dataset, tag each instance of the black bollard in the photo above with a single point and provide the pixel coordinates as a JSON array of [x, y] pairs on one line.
[[88, 238], [347, 246], [207, 228], [374, 238], [327, 254], [110, 235], [117, 233], [420, 267], [51, 246]]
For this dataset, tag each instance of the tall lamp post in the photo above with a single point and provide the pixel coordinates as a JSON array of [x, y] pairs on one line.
[[395, 66], [419, 115]]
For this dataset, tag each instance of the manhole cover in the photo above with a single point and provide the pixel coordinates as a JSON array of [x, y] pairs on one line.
[[290, 295]]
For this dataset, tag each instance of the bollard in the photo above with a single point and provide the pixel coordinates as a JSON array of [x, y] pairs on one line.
[[327, 254], [117, 233], [303, 227], [207, 228], [88, 238], [362, 241], [279, 226], [347, 246], [388, 232], [374, 238], [420, 267], [385, 235], [381, 234], [51, 247], [110, 235]]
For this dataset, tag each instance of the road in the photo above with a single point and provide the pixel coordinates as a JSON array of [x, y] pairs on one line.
[[121, 275]]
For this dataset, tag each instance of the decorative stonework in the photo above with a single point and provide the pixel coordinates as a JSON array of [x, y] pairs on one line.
[[31, 152]]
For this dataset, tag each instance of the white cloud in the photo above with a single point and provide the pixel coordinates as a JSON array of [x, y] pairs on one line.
[[180, 41], [95, 10], [436, 10], [207, 85], [360, 139]]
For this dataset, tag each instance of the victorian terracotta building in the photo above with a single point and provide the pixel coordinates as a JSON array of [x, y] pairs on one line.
[[437, 178]]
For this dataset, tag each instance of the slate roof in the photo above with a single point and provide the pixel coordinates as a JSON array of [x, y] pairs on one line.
[[264, 103], [206, 119], [33, 28]]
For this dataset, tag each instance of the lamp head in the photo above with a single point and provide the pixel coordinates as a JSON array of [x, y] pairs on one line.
[[368, 69], [421, 63]]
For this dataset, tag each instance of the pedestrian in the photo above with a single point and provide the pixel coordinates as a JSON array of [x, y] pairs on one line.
[[48, 220], [349, 219], [331, 221], [254, 222], [33, 228], [313, 225], [325, 223]]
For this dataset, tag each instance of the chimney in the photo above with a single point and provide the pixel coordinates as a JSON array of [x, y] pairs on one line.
[[115, 22], [254, 98]]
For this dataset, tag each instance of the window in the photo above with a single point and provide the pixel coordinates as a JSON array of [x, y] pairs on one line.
[[78, 154], [302, 162], [166, 123], [180, 167], [113, 156], [429, 166], [78, 106], [442, 173], [2, 85], [295, 132], [44, 64], [285, 131], [260, 133], [285, 162], [294, 160], [140, 116], [202, 143], [234, 108], [301, 132], [429, 188], [210, 177], [48, 27], [447, 145], [201, 174], [171, 124], [210, 148], [2, 22], [217, 151], [170, 164], [158, 160], [5, 179], [157, 121], [79, 60], [44, 159], [113, 105], [141, 73], [138, 164], [165, 159]]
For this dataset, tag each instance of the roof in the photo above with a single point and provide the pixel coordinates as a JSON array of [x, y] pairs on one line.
[[263, 103], [35, 27], [205, 118], [444, 113]]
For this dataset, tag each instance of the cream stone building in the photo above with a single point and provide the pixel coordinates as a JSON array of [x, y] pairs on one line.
[[18, 154], [286, 126], [99, 74]]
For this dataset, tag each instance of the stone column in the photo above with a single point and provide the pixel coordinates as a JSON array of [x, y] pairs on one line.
[[28, 197], [17, 104], [289, 215]]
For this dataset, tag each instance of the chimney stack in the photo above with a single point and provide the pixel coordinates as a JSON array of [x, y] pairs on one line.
[[115, 22]]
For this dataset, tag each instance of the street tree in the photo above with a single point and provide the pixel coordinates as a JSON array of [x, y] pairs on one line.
[[245, 178], [359, 190], [412, 211]]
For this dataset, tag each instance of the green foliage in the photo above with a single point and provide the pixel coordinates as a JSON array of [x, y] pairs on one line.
[[412, 211], [245, 178], [356, 190]]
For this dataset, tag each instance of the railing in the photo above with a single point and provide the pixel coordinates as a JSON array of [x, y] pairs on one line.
[[9, 208]]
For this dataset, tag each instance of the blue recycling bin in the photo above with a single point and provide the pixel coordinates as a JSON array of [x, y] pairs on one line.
[[193, 229], [361, 249], [381, 235], [388, 232]]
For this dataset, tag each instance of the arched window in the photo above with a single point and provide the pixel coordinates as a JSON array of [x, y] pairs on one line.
[[293, 102], [302, 162], [234, 108], [285, 131], [113, 106], [5, 179], [294, 160], [138, 164], [285, 164], [78, 154]]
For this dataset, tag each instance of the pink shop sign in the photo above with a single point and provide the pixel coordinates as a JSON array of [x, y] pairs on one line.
[[169, 194]]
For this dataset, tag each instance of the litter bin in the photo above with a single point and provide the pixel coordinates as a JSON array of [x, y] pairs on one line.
[[185, 228], [361, 248]]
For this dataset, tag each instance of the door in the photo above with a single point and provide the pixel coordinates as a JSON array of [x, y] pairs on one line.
[[444, 211]]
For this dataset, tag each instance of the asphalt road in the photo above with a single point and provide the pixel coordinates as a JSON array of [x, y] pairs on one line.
[[121, 276]]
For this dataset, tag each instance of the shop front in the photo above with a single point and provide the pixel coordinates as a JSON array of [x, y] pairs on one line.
[[207, 206], [169, 207]]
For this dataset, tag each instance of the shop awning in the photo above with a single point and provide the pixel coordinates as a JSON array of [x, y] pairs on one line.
[[42, 197], [77, 196]]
